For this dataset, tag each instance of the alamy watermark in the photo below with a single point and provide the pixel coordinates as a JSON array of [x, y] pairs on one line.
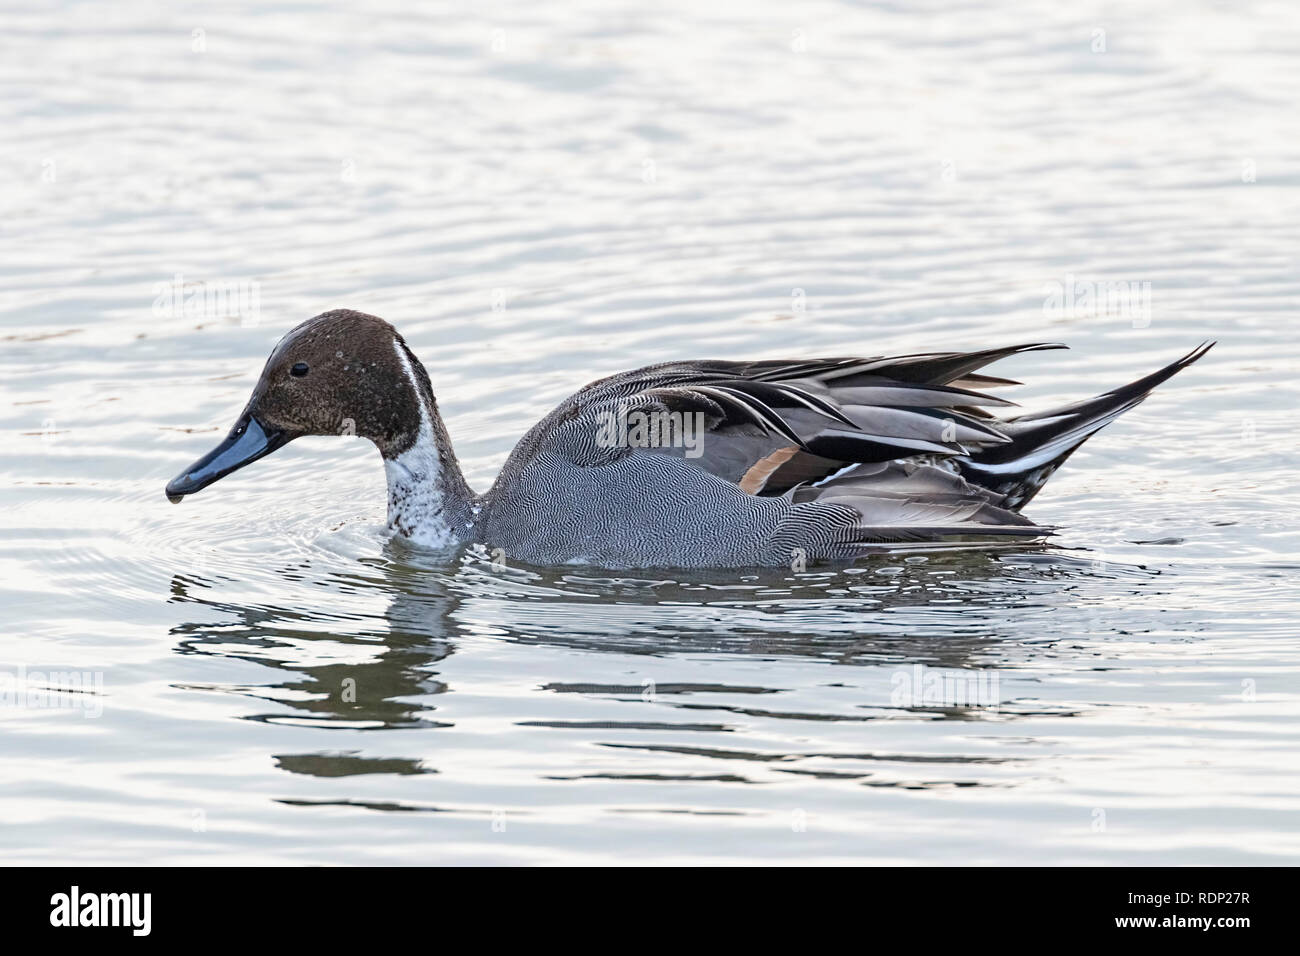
[[53, 690], [213, 299], [921, 686], [77, 908], [1076, 298], [634, 428]]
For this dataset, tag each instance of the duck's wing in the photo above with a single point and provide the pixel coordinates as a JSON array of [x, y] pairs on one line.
[[896, 505], [770, 426]]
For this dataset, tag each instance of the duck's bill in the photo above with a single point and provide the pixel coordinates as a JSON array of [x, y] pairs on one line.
[[248, 441]]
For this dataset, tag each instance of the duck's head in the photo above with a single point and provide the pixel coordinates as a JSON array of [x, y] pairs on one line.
[[340, 373]]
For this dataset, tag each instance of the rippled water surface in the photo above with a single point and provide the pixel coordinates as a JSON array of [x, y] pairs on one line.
[[541, 196]]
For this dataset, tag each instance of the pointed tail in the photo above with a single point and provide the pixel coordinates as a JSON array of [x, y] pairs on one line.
[[1041, 442]]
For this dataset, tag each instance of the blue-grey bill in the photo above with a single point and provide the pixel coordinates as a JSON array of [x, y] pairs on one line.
[[248, 441]]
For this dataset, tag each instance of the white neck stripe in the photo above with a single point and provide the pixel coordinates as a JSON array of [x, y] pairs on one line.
[[416, 508]]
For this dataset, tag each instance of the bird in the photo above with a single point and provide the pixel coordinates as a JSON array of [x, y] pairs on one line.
[[689, 464]]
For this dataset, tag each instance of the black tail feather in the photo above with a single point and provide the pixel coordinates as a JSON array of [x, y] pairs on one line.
[[1041, 442]]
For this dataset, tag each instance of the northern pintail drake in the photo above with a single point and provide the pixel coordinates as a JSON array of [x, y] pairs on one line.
[[688, 464]]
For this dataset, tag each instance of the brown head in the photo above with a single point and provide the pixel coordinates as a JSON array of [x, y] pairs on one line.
[[340, 373]]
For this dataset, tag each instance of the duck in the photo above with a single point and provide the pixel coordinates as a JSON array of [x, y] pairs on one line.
[[689, 464]]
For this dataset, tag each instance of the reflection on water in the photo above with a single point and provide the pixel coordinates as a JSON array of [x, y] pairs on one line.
[[950, 612], [371, 688], [529, 710]]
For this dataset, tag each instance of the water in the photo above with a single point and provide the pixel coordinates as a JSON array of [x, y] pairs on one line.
[[538, 198]]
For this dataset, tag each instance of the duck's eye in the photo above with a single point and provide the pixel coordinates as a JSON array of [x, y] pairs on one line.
[[299, 369]]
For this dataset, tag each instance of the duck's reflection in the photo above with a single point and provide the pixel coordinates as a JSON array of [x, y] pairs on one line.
[[384, 685], [379, 670]]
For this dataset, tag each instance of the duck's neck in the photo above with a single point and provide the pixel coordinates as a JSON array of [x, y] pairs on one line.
[[428, 499]]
